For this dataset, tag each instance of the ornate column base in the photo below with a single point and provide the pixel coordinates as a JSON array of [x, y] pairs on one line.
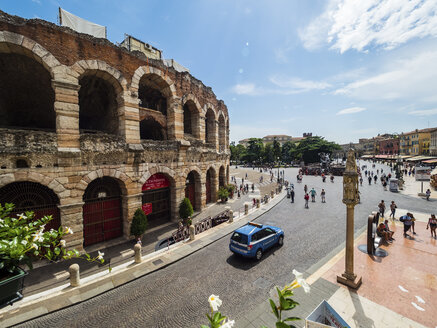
[[350, 280]]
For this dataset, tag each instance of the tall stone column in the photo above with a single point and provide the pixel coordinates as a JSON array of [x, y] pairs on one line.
[[131, 203], [216, 135], [72, 217], [129, 118], [350, 199], [67, 115], [175, 120]]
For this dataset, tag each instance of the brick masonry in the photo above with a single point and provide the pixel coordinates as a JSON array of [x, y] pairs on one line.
[[67, 160]]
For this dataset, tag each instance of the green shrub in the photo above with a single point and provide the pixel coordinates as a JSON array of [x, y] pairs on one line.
[[223, 193], [185, 209], [139, 223]]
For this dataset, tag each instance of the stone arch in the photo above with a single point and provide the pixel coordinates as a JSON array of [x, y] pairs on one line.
[[26, 93], [210, 126], [47, 181], [192, 116], [157, 169], [145, 70], [222, 176], [211, 184], [151, 129], [222, 132], [101, 96], [124, 180], [193, 187]]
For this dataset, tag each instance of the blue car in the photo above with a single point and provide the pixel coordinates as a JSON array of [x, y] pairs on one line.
[[253, 239]]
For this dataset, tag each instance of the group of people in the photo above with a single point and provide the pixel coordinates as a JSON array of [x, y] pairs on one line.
[[408, 221]]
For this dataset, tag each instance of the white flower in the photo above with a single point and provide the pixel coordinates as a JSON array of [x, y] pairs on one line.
[[24, 242], [100, 256], [228, 324], [62, 242], [301, 281], [214, 302], [38, 236], [35, 246], [68, 230], [21, 216]]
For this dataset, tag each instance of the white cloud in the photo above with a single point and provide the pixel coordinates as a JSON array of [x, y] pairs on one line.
[[244, 89], [351, 110], [37, 1], [424, 112], [407, 78], [297, 85], [351, 24]]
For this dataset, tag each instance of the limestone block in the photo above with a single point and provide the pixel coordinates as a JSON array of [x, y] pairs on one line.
[[6, 179], [99, 173], [27, 43], [92, 176], [74, 275], [13, 37]]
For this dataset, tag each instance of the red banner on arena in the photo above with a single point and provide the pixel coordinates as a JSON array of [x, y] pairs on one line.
[[147, 208], [156, 181]]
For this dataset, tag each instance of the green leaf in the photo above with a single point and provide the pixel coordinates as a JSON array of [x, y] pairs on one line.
[[274, 308], [204, 326], [292, 319], [280, 324], [57, 250]]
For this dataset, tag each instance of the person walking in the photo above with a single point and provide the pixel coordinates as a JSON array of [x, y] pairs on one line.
[[306, 197], [375, 178], [427, 194], [313, 195], [370, 180], [322, 194], [381, 208], [393, 208], [432, 223], [292, 195], [407, 221], [305, 188], [361, 180]]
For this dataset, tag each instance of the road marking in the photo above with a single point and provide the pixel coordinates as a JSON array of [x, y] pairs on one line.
[[417, 307], [403, 289]]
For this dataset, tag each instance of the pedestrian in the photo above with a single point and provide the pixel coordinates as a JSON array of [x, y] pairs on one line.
[[427, 194], [306, 197], [313, 195], [375, 178], [370, 180], [322, 194], [407, 221], [381, 208], [432, 223], [384, 184], [292, 195], [305, 188], [393, 208], [361, 181]]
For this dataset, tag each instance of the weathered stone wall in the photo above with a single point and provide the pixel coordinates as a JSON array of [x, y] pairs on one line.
[[67, 160]]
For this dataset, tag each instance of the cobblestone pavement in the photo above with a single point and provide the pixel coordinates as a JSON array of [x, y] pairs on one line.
[[176, 296]]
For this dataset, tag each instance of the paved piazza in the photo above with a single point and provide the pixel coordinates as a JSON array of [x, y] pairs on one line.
[[176, 296]]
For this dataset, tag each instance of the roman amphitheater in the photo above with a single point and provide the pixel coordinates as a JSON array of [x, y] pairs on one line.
[[90, 132]]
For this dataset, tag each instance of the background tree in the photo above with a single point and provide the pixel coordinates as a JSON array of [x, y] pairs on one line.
[[288, 151], [254, 150], [268, 154], [309, 148], [237, 152], [277, 150]]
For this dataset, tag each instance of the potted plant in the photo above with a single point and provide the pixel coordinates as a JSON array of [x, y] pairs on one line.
[[24, 240], [231, 189], [185, 211], [223, 194], [139, 224]]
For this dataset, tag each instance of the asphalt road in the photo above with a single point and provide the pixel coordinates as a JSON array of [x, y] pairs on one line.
[[177, 296]]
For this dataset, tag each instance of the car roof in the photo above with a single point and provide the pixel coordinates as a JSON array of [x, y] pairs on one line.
[[250, 229]]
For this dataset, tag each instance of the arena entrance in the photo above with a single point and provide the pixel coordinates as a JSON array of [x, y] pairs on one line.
[[156, 199], [102, 219], [35, 197]]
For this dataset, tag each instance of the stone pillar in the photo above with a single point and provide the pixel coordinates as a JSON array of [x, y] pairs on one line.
[[257, 203], [67, 115], [216, 135], [231, 216], [350, 199], [266, 198], [74, 275], [202, 193], [137, 250], [72, 217], [272, 193], [246, 208], [175, 119], [130, 204], [129, 118], [192, 232]]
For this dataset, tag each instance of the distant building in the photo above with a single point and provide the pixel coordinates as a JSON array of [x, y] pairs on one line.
[[281, 138], [389, 146], [244, 142], [433, 143], [134, 44], [417, 142]]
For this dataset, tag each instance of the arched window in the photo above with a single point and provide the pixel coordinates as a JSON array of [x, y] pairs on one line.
[[222, 132], [151, 130], [210, 126], [98, 108], [26, 95], [191, 119], [151, 93]]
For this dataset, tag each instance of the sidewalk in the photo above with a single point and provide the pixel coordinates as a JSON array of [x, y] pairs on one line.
[[399, 290], [48, 286], [413, 187]]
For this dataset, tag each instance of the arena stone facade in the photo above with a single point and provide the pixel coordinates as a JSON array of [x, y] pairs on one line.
[[85, 125]]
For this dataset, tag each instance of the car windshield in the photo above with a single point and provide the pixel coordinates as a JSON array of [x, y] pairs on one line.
[[239, 238]]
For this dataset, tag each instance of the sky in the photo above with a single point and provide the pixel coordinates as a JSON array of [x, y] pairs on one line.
[[341, 69]]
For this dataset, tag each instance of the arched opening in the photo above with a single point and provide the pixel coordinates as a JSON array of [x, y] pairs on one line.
[[222, 177], [210, 126], [191, 119], [98, 108], [211, 186], [21, 164], [152, 91], [192, 190], [222, 133], [102, 211], [157, 199], [151, 130], [32, 196], [26, 95]]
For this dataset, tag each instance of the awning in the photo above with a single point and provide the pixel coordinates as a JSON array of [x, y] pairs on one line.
[[431, 161], [420, 158]]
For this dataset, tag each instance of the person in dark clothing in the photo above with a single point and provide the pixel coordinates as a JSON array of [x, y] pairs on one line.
[[292, 195]]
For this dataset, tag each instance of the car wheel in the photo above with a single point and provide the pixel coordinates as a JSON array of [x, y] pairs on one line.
[[259, 254], [281, 240]]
